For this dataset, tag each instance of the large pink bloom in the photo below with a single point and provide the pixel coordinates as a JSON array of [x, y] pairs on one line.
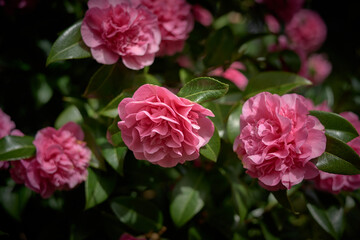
[[176, 21], [284, 9], [60, 163], [306, 31], [278, 139], [121, 28], [162, 128], [335, 183]]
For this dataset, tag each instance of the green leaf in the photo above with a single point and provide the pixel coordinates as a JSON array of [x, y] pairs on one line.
[[330, 225], [141, 215], [111, 109], [212, 148], [336, 126], [275, 82], [97, 159], [115, 133], [203, 89], [188, 197], [98, 80], [70, 114], [338, 158], [15, 148], [282, 198], [221, 113], [219, 47], [233, 123], [115, 157], [146, 79], [185, 76], [239, 196], [98, 187], [69, 45]]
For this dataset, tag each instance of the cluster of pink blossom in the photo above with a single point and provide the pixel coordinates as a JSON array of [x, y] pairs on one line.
[[335, 183], [138, 30], [278, 139], [304, 33], [162, 128], [60, 162]]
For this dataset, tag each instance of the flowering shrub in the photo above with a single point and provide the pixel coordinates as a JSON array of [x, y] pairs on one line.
[[231, 106]]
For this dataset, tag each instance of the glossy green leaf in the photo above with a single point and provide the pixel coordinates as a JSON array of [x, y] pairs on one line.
[[115, 133], [98, 80], [329, 221], [97, 159], [98, 187], [70, 114], [111, 109], [336, 126], [233, 123], [212, 148], [188, 197], [115, 157], [203, 89], [337, 157], [282, 198], [15, 148], [219, 47], [140, 215], [275, 82], [69, 45]]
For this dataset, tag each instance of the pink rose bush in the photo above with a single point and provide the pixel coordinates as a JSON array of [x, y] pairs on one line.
[[175, 21], [278, 139], [335, 183], [121, 29], [60, 163], [306, 31], [202, 15], [162, 128]]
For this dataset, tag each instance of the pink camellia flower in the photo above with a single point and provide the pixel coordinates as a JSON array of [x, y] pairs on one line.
[[127, 236], [318, 67], [162, 128], [284, 9], [272, 23], [60, 163], [176, 21], [335, 183], [233, 74], [306, 31], [202, 15], [278, 139], [6, 125], [121, 28]]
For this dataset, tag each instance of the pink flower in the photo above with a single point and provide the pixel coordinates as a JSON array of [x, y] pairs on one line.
[[60, 163], [278, 139], [284, 9], [202, 15], [121, 28], [6, 125], [175, 21], [335, 183], [306, 31], [317, 68], [233, 74], [127, 236], [162, 128], [272, 23]]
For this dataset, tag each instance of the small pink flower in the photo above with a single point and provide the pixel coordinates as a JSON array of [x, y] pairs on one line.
[[185, 62], [284, 9], [233, 74], [272, 23], [202, 15], [127, 236], [162, 128], [335, 183], [317, 68], [278, 139], [121, 28], [175, 21], [6, 125], [306, 31], [60, 163]]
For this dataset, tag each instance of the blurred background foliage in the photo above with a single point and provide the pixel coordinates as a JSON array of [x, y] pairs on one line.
[[236, 208]]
